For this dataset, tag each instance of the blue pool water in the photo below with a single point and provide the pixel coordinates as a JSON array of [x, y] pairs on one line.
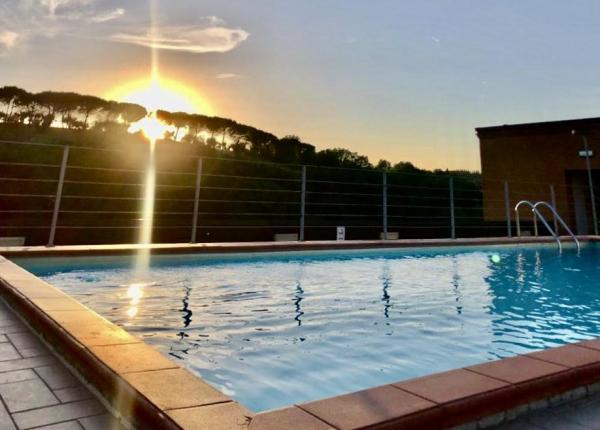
[[276, 329]]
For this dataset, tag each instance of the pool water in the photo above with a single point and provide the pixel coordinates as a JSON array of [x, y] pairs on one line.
[[281, 328]]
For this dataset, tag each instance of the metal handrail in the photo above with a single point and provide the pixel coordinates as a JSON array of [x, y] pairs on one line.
[[560, 220], [537, 214]]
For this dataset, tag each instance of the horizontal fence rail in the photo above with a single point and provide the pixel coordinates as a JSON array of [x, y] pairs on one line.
[[80, 195]]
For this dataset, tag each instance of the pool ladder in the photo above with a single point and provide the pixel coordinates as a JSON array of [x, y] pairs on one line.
[[537, 214]]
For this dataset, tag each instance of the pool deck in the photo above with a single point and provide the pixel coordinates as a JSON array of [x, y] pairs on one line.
[[37, 390], [582, 414], [151, 391]]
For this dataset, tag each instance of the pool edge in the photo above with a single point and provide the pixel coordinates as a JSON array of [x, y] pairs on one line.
[[237, 247], [102, 354]]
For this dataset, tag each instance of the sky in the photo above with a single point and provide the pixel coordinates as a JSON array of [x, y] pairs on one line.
[[402, 80]]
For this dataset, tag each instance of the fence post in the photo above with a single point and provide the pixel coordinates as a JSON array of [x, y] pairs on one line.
[[302, 203], [196, 199], [384, 202], [553, 203], [507, 207], [59, 188], [590, 183], [452, 220]]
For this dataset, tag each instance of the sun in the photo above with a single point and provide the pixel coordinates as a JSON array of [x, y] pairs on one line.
[[151, 127], [161, 93]]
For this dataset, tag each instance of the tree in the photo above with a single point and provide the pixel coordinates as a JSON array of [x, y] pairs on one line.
[[13, 98], [88, 105], [406, 167], [290, 149], [131, 112], [384, 165], [339, 157]]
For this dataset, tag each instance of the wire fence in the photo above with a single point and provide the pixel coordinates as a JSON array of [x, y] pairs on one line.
[[83, 195]]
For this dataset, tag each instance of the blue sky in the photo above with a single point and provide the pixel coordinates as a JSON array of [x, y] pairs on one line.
[[401, 80]]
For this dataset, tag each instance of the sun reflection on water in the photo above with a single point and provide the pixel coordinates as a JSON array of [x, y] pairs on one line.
[[134, 294]]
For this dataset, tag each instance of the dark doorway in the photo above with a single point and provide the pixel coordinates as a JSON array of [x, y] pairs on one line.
[[580, 210]]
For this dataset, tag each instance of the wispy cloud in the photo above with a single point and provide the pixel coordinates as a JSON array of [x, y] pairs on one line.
[[23, 20], [231, 76], [188, 39], [108, 16]]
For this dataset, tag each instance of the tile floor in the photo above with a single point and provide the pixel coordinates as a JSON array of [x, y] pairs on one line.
[[37, 391], [583, 414]]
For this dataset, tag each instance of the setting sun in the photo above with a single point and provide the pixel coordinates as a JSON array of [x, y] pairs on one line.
[[151, 126], [161, 93]]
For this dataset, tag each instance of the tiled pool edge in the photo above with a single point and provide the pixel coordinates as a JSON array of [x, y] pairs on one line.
[[234, 247], [157, 392]]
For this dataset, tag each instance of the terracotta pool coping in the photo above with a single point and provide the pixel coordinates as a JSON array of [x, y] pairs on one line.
[[152, 391], [231, 247]]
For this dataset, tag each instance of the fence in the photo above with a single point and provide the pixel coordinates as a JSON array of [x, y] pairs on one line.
[[83, 195]]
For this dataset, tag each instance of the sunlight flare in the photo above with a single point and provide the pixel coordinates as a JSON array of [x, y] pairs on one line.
[[157, 92], [151, 127]]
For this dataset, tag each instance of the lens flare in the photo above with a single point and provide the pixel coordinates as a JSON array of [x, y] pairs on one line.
[[158, 92], [151, 127]]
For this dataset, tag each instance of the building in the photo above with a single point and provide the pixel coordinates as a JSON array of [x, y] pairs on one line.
[[533, 161]]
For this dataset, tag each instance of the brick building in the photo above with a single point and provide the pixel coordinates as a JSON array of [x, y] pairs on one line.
[[531, 158]]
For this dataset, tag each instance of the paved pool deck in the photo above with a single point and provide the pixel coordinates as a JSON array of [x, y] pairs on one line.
[[583, 414], [37, 391]]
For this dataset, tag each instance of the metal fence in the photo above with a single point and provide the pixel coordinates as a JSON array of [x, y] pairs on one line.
[[83, 195]]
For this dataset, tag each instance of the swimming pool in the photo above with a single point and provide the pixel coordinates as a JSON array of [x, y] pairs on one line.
[[272, 329]]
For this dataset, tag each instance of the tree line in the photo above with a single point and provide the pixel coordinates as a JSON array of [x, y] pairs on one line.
[[212, 135]]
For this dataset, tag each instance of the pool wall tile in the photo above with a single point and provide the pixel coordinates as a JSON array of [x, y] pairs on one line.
[[383, 407], [591, 344], [175, 388], [517, 369], [532, 379], [100, 334], [58, 304], [288, 418], [136, 357], [583, 362], [463, 395], [221, 416], [74, 318]]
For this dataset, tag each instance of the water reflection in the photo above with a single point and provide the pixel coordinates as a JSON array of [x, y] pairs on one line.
[[298, 297], [186, 310], [134, 293], [386, 281], [456, 285]]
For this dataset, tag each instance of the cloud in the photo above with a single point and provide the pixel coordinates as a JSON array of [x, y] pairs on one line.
[[108, 15], [8, 39], [188, 39], [67, 9], [214, 20], [229, 76], [23, 20]]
